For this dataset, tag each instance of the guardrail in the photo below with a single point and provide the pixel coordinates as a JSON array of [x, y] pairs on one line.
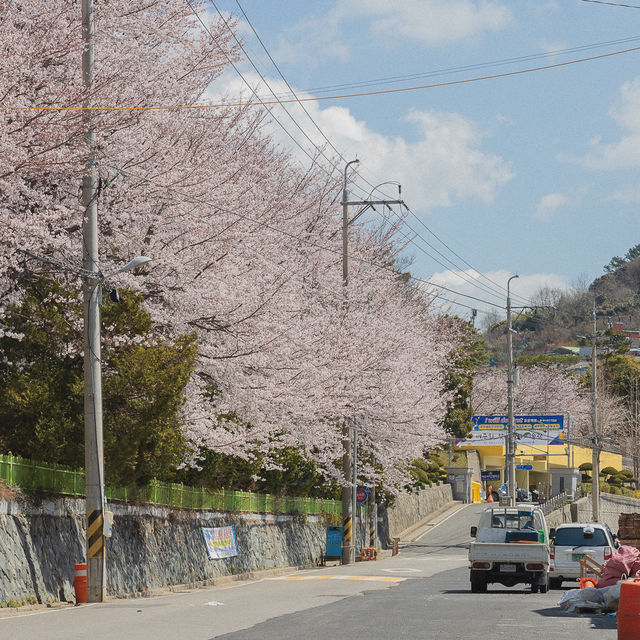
[[55, 478]]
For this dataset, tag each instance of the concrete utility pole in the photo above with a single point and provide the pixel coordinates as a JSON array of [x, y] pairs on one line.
[[348, 512], [93, 443], [595, 485], [510, 449], [349, 434]]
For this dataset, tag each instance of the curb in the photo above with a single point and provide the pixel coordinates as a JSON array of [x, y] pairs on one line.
[[432, 519]]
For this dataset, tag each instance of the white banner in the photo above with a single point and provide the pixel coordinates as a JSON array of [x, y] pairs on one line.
[[220, 541]]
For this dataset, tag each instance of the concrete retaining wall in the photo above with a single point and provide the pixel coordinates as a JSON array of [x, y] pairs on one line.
[[409, 508], [611, 506], [151, 548]]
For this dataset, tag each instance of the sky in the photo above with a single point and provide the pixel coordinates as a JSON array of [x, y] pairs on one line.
[[534, 174]]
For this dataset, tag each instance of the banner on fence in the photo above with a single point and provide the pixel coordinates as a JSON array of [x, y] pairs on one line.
[[220, 541]]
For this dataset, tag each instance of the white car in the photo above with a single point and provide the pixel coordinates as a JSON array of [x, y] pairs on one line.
[[571, 542]]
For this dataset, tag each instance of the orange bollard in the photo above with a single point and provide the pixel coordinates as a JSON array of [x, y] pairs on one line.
[[489, 496], [629, 611], [80, 582]]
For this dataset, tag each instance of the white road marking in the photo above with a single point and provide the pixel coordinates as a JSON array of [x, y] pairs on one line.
[[439, 523], [408, 570]]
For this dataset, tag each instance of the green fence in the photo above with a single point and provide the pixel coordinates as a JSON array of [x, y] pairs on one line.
[[60, 479]]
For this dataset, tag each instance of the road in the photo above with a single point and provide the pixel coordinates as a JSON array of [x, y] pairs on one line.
[[421, 593]]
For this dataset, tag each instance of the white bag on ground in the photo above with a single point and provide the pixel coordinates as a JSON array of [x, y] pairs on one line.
[[612, 596], [588, 598]]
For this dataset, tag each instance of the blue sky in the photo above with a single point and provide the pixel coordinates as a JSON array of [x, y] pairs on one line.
[[535, 174]]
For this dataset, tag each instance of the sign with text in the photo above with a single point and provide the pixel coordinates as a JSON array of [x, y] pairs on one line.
[[530, 430], [362, 494], [220, 541], [490, 475]]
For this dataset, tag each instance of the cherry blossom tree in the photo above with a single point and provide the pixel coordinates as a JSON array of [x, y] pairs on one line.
[[244, 242]]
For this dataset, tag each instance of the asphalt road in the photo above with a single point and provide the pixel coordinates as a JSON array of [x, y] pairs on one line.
[[421, 593]]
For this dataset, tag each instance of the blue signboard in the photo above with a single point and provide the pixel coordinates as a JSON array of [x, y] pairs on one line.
[[490, 476], [334, 542], [524, 467], [532, 430]]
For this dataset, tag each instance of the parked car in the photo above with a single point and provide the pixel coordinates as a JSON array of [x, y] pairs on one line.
[[511, 547], [571, 542]]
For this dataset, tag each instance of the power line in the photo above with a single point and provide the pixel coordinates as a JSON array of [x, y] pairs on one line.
[[244, 216], [468, 67], [321, 98], [614, 4], [461, 274]]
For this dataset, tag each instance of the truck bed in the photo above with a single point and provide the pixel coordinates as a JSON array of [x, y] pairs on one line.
[[509, 552]]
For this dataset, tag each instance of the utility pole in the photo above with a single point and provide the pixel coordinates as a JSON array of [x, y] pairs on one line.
[[347, 503], [510, 449], [350, 472], [595, 485], [93, 443]]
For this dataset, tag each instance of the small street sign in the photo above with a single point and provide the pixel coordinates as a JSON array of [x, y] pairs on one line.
[[362, 494], [524, 467]]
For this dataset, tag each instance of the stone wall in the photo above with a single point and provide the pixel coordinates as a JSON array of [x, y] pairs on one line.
[[156, 547], [151, 547], [611, 506], [410, 508]]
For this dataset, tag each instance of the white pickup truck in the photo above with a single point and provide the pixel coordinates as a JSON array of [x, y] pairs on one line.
[[511, 547]]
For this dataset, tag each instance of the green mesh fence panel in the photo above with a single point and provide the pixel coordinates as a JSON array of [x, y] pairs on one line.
[[55, 478]]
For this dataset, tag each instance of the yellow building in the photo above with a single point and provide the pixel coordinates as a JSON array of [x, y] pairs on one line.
[[545, 462]]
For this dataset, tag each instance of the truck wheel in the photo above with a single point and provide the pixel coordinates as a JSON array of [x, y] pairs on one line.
[[555, 583], [544, 588], [534, 588], [478, 585]]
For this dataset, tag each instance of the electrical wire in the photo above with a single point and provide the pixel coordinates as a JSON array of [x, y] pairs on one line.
[[468, 67], [461, 272], [342, 96], [614, 4], [244, 216]]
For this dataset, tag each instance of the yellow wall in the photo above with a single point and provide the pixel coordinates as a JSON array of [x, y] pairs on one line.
[[492, 457]]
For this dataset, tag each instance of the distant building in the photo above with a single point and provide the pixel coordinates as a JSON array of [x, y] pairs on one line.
[[632, 334]]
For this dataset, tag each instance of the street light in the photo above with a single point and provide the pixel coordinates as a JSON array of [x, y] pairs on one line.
[[94, 280], [349, 495], [510, 445]]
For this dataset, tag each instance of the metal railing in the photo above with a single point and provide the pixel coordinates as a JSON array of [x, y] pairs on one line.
[[55, 478], [560, 500]]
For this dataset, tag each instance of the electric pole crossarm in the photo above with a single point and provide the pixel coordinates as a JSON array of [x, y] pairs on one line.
[[372, 202]]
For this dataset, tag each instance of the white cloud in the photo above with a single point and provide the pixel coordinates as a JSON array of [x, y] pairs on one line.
[[444, 165], [626, 195], [625, 153], [432, 22], [491, 289], [426, 22], [549, 204]]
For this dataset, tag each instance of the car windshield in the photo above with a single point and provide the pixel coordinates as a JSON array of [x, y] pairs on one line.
[[575, 536]]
